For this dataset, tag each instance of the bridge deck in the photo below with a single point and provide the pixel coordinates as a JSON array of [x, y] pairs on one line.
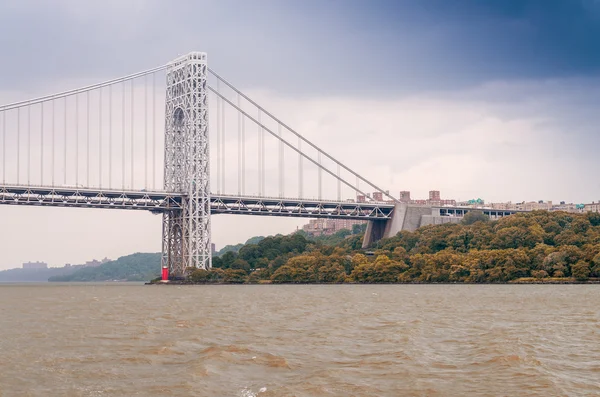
[[160, 201]]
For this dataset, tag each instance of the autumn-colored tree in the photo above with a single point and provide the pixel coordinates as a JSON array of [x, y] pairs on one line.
[[539, 274], [517, 237], [595, 270], [382, 270], [474, 216], [399, 254], [360, 259], [234, 276], [461, 239], [539, 244], [257, 275], [569, 237], [207, 276], [581, 270]]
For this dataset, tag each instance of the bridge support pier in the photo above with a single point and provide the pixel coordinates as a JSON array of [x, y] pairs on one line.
[[374, 232], [385, 228]]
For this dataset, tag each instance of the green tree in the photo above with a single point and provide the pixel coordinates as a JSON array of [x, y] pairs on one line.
[[227, 259], [594, 218], [358, 229], [240, 264], [474, 216]]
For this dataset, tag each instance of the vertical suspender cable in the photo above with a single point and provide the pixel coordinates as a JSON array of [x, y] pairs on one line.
[[65, 141], [300, 176], [146, 132], [281, 181], [76, 139], [243, 154], [18, 144], [259, 155], [53, 139], [218, 141], [87, 140], [262, 158], [320, 176], [29, 145], [339, 184], [223, 147], [42, 145], [239, 145], [3, 148], [110, 136], [154, 131], [123, 135], [132, 117], [100, 138]]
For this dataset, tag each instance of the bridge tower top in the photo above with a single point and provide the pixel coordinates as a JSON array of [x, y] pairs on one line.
[[194, 56]]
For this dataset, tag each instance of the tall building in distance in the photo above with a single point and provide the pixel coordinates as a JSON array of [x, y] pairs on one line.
[[593, 207], [405, 196], [435, 199], [35, 265]]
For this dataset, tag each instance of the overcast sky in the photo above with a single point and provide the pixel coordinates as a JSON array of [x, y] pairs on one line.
[[496, 100]]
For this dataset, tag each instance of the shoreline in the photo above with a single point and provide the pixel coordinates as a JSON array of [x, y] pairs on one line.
[[521, 281]]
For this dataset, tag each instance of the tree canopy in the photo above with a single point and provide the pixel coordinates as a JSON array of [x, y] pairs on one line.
[[136, 267], [536, 245]]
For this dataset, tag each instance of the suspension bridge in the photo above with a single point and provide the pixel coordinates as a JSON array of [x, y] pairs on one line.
[[99, 146]]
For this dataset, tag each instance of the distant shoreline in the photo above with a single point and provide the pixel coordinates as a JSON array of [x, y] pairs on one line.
[[520, 281]]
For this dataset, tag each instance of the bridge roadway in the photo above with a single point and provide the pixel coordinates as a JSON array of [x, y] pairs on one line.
[[161, 201]]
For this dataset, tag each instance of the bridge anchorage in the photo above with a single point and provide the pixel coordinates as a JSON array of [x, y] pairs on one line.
[[97, 147]]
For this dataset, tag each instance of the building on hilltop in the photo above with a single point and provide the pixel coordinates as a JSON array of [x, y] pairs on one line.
[[327, 227], [405, 196], [35, 265], [95, 263], [433, 200], [535, 206], [434, 195]]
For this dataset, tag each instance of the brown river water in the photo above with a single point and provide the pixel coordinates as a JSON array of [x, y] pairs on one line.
[[299, 340]]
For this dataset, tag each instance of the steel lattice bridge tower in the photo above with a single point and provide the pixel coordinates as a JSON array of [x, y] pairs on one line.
[[186, 233], [98, 147]]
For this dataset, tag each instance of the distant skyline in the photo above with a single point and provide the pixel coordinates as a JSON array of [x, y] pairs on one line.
[[496, 100]]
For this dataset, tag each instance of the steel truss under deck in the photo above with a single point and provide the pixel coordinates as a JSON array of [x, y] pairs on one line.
[[160, 202], [221, 204], [87, 198]]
